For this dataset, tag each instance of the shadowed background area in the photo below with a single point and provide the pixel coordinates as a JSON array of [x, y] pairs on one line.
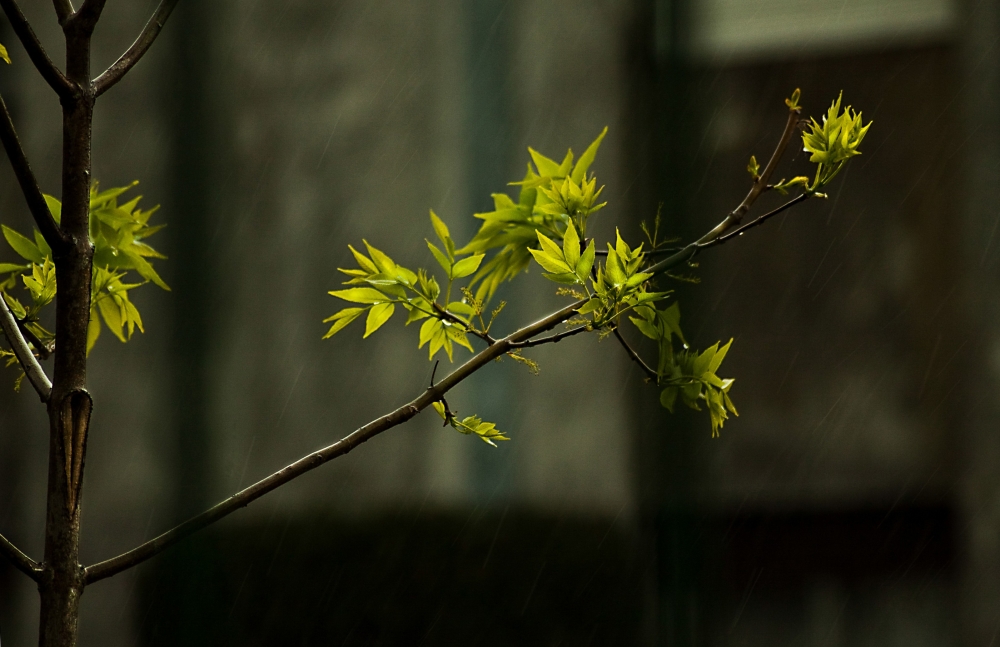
[[853, 502]]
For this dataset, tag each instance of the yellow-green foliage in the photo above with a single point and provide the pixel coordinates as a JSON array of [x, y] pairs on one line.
[[118, 232]]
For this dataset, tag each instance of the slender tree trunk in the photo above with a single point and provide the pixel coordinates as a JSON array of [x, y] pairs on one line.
[[70, 405]]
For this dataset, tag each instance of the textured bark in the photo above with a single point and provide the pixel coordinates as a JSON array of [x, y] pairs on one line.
[[69, 405]]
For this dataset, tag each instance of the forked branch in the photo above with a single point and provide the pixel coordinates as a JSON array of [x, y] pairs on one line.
[[32, 369], [52, 75], [22, 562], [64, 10], [29, 185], [127, 60]]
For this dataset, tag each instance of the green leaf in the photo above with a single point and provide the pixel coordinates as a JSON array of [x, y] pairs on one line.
[[586, 262], [341, 320], [549, 246], [93, 330], [613, 268], [443, 234], [459, 308], [571, 246], [442, 260], [719, 356], [549, 263], [467, 266], [43, 246], [583, 164], [378, 315], [645, 327], [24, 247], [702, 363], [546, 167], [3, 54], [569, 278], [111, 313], [144, 269], [360, 295], [364, 262], [7, 268], [428, 330], [589, 306], [458, 337], [382, 262], [669, 397]]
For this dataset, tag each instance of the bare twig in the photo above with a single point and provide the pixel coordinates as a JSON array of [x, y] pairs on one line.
[[760, 184], [650, 373], [64, 10], [22, 562], [552, 339], [36, 52], [135, 52], [31, 367], [29, 185], [756, 221]]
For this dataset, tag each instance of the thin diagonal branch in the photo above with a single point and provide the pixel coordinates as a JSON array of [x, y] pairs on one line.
[[22, 562], [551, 339], [650, 373], [39, 380], [312, 461], [64, 10], [29, 186], [127, 60], [756, 221], [760, 184], [36, 52]]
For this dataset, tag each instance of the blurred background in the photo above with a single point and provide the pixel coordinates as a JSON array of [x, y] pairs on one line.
[[855, 501]]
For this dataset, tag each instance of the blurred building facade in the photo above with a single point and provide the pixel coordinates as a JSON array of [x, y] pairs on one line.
[[853, 502]]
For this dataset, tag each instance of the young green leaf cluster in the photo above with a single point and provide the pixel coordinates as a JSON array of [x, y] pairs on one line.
[[552, 197], [118, 232], [548, 224], [831, 145], [470, 425]]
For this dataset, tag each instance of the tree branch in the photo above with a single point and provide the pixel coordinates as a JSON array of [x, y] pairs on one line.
[[127, 60], [64, 10], [22, 562], [650, 373], [55, 78], [739, 231], [551, 339], [88, 15], [312, 461], [39, 380], [760, 184], [518, 339], [29, 186]]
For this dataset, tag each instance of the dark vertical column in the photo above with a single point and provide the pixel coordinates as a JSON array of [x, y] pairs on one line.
[[181, 589], [979, 486], [190, 186], [660, 145], [489, 125]]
